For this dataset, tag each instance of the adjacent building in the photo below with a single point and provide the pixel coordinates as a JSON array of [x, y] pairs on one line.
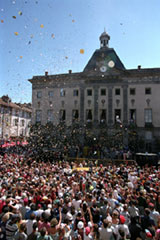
[[15, 119], [105, 92]]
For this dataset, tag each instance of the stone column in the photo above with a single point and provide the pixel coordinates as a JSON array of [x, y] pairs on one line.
[[95, 104], [82, 105], [125, 105], [110, 105]]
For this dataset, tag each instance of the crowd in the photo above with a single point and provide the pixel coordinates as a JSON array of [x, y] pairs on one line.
[[57, 201]]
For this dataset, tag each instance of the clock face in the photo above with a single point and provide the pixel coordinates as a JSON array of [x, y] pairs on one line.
[[103, 68], [111, 64]]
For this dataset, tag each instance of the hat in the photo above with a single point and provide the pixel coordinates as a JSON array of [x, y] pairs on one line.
[[69, 216], [87, 230], [45, 198], [148, 233], [56, 202], [117, 203], [151, 205], [89, 224], [80, 225], [122, 219]]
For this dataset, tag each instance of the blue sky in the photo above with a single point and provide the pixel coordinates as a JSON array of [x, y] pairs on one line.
[[52, 32]]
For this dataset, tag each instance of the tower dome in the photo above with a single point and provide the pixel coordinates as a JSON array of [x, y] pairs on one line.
[[104, 39]]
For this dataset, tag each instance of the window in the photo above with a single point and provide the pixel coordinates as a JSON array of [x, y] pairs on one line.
[[38, 116], [50, 116], [102, 115], [75, 103], [16, 122], [50, 93], [117, 115], [62, 92], [62, 114], [75, 114], [75, 93], [62, 103], [132, 91], [17, 113], [117, 91], [103, 92], [147, 91], [39, 94], [89, 92], [132, 115], [89, 103], [148, 116], [23, 114], [22, 123], [89, 115], [50, 104], [39, 104]]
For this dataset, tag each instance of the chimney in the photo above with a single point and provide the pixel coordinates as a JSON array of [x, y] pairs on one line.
[[46, 74], [139, 67], [70, 71]]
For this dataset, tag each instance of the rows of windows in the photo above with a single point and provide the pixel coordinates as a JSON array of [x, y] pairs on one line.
[[89, 115], [89, 92]]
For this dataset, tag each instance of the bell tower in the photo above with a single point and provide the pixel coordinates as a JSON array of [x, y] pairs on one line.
[[104, 40]]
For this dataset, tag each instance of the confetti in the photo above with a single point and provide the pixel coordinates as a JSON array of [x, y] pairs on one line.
[[2, 21], [81, 51], [70, 15], [73, 20], [31, 36], [21, 57], [14, 17], [20, 13], [42, 26], [16, 33], [53, 36], [66, 57], [29, 42]]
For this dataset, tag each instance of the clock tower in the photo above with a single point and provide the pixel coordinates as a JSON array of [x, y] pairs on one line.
[[104, 60]]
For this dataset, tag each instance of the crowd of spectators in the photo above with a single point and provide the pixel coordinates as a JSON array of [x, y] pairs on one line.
[[62, 201]]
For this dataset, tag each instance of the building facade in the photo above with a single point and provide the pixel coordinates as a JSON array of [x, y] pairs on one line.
[[104, 93], [15, 119]]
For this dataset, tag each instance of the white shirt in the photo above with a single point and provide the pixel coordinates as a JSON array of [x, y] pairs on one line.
[[29, 226], [124, 227], [106, 233]]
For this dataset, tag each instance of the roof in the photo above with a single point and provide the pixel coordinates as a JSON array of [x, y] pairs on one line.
[[103, 56], [14, 105]]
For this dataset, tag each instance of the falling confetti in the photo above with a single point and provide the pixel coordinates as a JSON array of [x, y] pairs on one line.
[[2, 21], [73, 20], [31, 36], [29, 42], [70, 15], [42, 26], [14, 17], [66, 57], [53, 36], [81, 51], [20, 13], [21, 57], [16, 33]]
